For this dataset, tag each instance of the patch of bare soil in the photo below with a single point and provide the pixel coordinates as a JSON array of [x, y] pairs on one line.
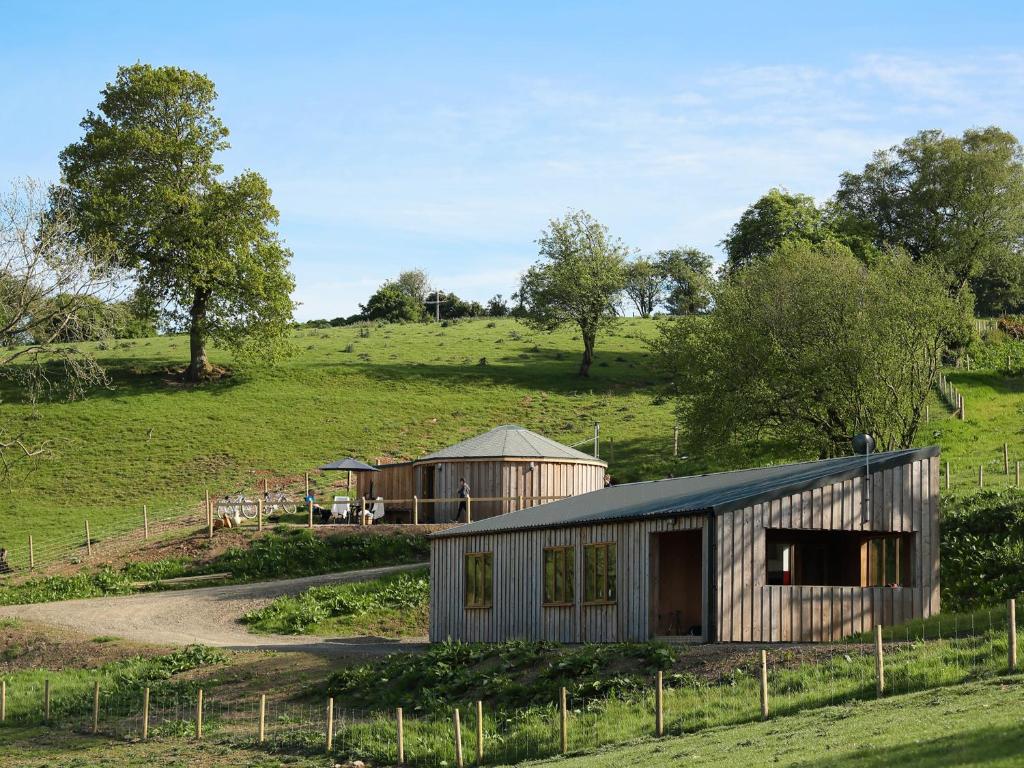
[[27, 645]]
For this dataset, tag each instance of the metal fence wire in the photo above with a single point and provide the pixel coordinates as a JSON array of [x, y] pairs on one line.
[[923, 655]]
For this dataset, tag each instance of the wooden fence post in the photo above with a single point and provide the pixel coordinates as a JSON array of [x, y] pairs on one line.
[[46, 700], [947, 476], [927, 414], [522, 502], [764, 684], [479, 732], [209, 516], [415, 510], [31, 553], [401, 736], [675, 440], [458, 739], [1018, 474], [659, 705], [1013, 635], [879, 663], [263, 714], [199, 714], [963, 409], [259, 514], [330, 725], [96, 707], [3, 700], [88, 538], [309, 504], [469, 509], [145, 522], [981, 475], [563, 716], [145, 714]]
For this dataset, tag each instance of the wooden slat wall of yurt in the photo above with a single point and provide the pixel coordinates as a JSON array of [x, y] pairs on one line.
[[904, 499]]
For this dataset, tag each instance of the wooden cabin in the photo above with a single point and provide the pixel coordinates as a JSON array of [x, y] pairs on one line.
[[520, 467], [804, 552]]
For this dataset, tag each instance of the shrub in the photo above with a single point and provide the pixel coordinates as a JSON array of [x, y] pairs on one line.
[[982, 549]]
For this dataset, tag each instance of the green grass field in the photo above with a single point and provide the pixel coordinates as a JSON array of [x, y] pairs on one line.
[[970, 725], [399, 392]]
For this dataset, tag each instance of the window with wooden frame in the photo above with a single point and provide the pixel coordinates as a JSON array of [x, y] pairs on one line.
[[886, 561], [479, 579], [559, 576], [599, 573]]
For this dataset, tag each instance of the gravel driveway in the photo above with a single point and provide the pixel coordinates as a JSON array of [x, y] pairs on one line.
[[207, 615]]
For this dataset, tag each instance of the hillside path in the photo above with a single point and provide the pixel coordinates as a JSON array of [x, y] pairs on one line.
[[208, 615]]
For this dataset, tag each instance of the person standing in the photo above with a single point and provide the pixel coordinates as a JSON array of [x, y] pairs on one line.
[[463, 495]]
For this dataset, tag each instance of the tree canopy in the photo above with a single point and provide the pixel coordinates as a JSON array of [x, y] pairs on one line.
[[688, 280], [809, 346], [392, 304], [645, 285], [144, 179], [579, 279], [954, 202], [776, 217]]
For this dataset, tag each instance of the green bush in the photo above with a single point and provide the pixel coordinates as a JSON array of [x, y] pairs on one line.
[[507, 675], [299, 553], [982, 549], [407, 592]]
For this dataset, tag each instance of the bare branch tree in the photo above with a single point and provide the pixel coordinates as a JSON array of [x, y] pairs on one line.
[[50, 285]]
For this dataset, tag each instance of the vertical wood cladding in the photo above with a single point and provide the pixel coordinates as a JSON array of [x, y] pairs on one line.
[[903, 499]]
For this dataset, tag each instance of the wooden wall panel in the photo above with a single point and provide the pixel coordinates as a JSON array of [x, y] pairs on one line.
[[747, 610]]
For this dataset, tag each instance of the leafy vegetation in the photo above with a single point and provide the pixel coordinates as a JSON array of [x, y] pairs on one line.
[[285, 554], [143, 180], [507, 675], [982, 548], [809, 347], [392, 606], [298, 552]]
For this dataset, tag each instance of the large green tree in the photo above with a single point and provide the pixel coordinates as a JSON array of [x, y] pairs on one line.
[[956, 202], [645, 285], [776, 217], [144, 178], [809, 346], [688, 280], [578, 280]]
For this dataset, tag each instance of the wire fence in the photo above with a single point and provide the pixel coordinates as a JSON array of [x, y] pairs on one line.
[[922, 655]]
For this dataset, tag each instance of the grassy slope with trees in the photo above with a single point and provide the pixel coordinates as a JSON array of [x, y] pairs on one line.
[[400, 391]]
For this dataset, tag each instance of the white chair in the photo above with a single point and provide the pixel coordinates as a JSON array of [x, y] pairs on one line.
[[376, 512], [340, 508]]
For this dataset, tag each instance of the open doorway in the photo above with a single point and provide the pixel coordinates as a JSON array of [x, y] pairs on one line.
[[678, 578]]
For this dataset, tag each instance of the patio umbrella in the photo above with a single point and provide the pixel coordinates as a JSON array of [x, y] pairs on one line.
[[350, 465]]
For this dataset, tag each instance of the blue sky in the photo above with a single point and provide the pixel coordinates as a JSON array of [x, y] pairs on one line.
[[444, 136]]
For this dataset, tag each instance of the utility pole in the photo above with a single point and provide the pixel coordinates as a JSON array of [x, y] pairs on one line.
[[436, 301]]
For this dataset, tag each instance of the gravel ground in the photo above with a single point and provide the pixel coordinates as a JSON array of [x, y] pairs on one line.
[[207, 615]]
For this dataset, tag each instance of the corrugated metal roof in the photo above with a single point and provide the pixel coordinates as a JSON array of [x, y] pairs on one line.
[[716, 492], [510, 441]]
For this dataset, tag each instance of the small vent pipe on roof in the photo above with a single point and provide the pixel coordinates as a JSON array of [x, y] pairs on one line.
[[865, 444]]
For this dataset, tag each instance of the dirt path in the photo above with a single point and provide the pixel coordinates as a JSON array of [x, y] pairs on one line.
[[208, 615]]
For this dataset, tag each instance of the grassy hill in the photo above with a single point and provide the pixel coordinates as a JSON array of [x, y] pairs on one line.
[[972, 724], [399, 391], [387, 391]]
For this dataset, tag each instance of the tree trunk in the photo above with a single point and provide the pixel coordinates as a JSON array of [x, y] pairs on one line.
[[588, 352], [199, 365]]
